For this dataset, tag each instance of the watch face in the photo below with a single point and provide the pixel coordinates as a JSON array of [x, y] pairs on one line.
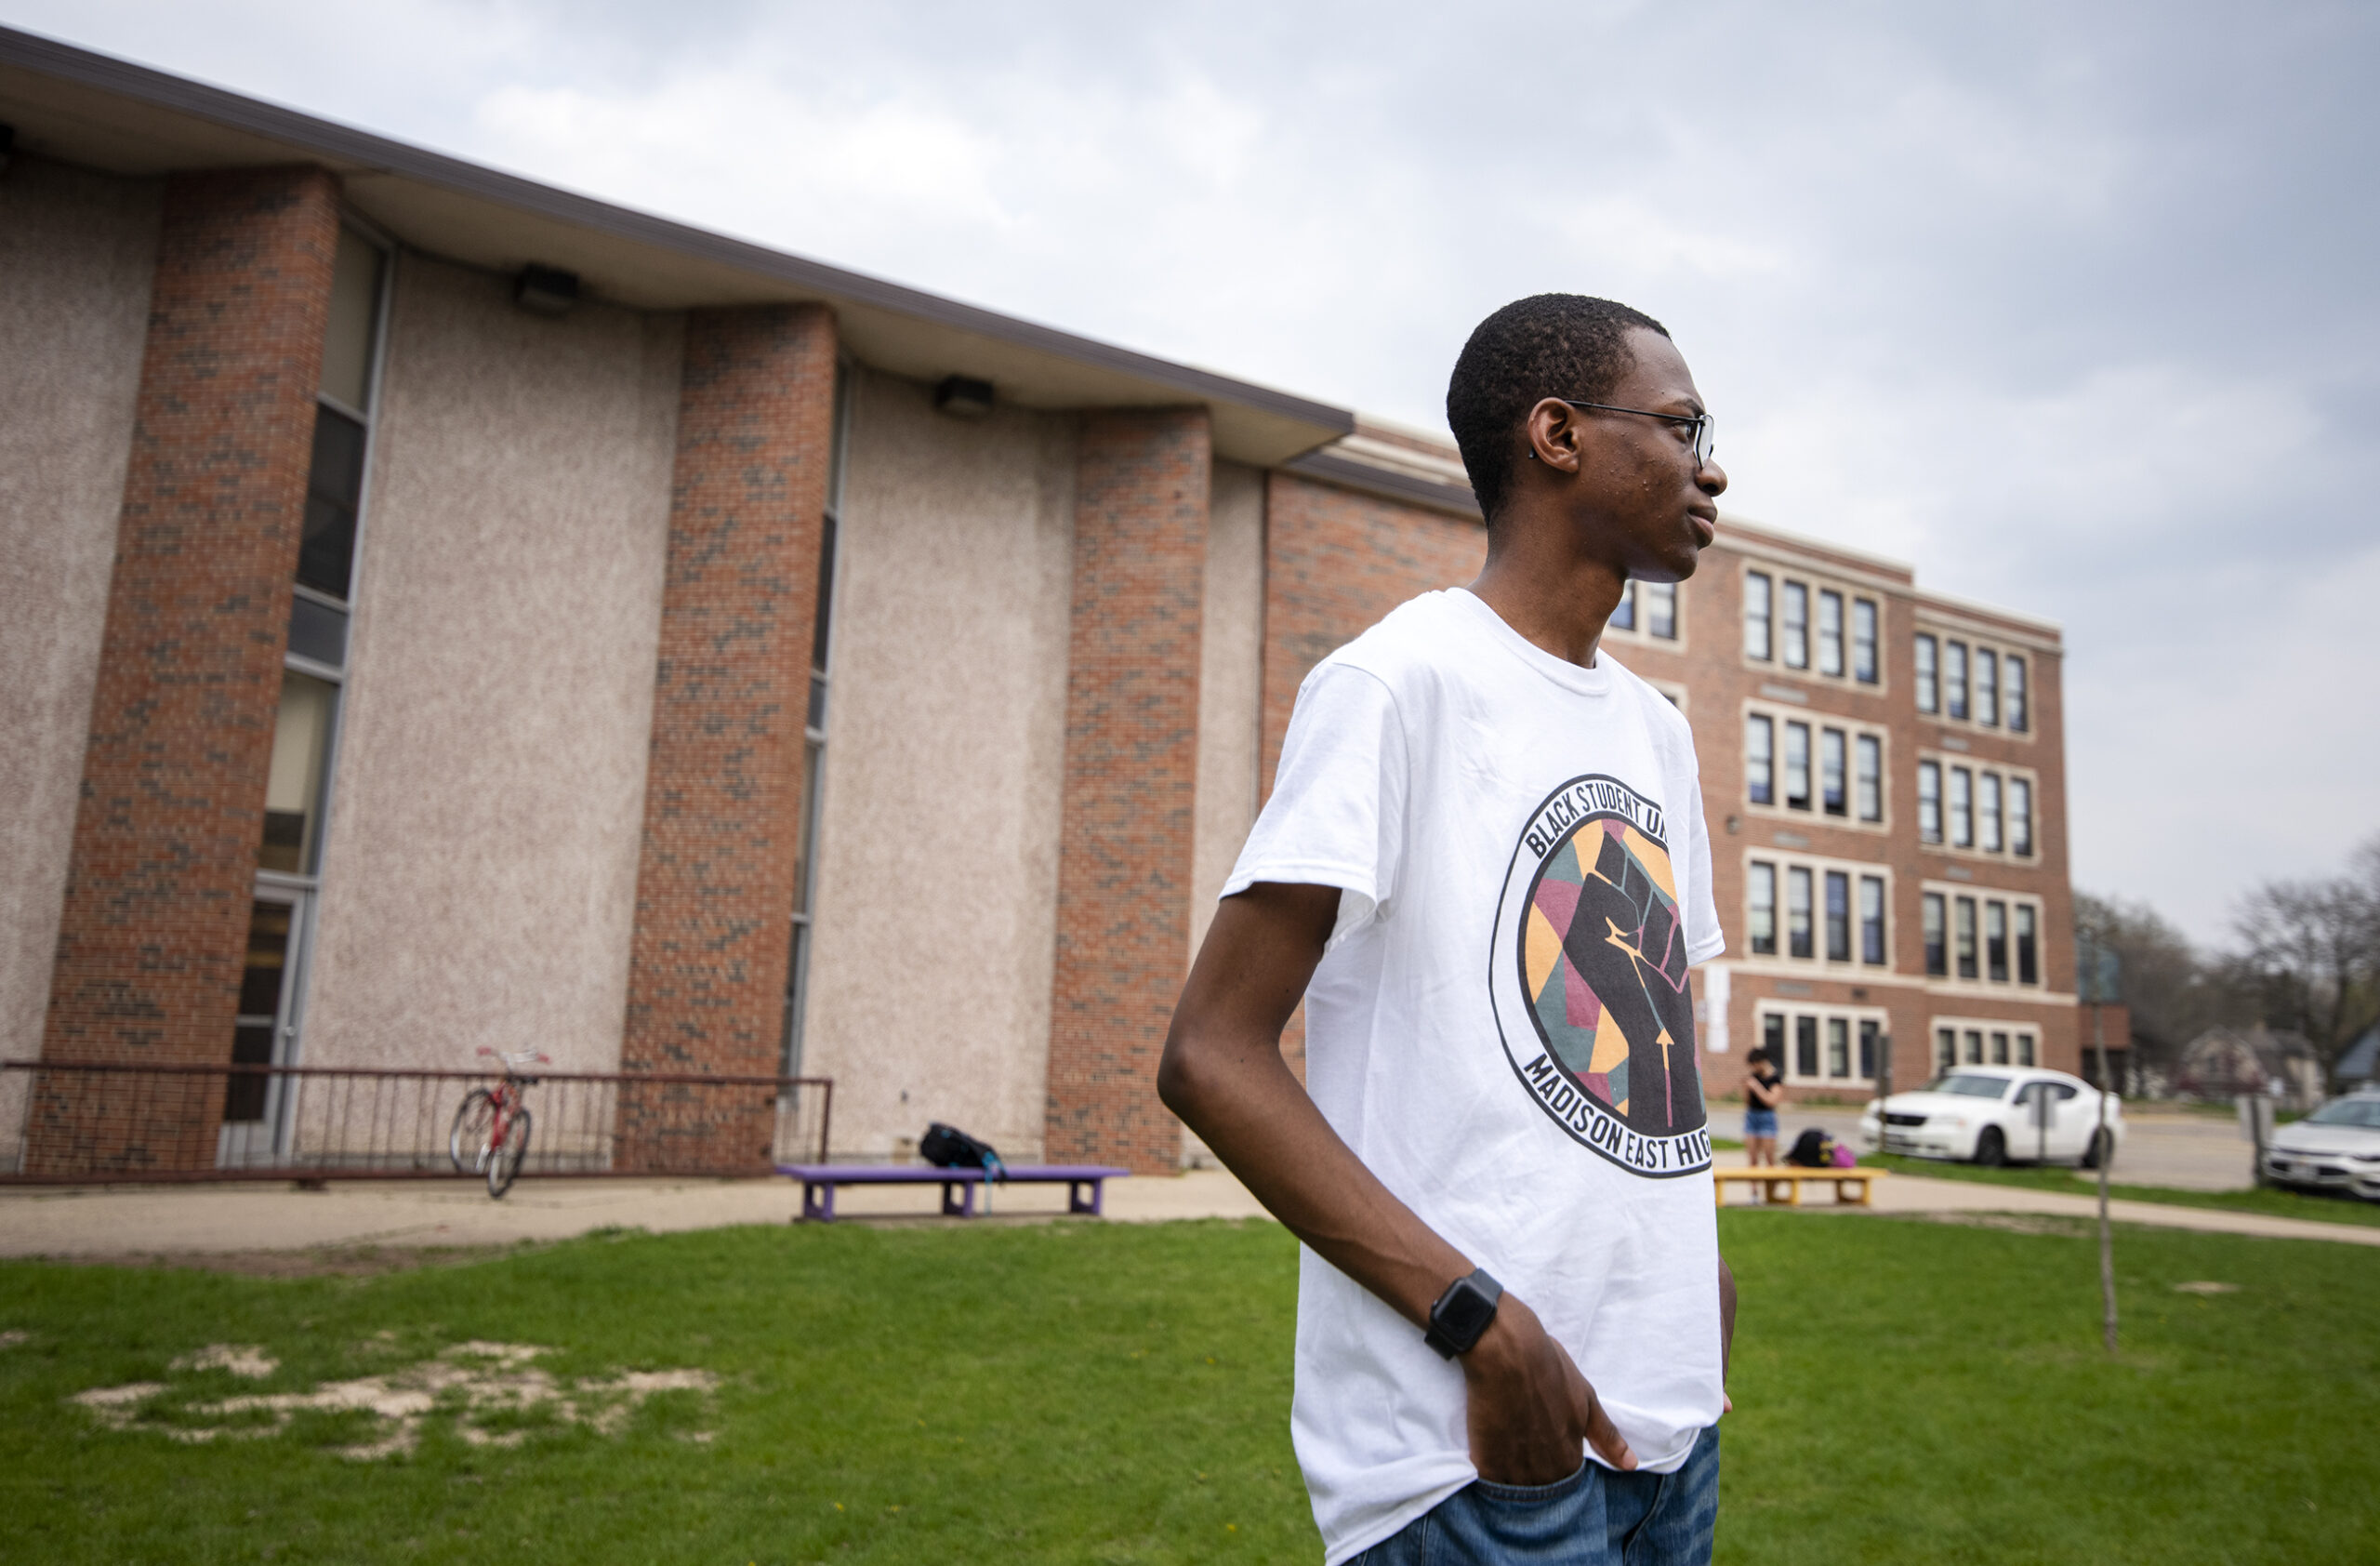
[[1468, 1313]]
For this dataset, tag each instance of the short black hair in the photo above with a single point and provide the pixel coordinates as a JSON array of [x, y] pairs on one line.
[[1547, 345]]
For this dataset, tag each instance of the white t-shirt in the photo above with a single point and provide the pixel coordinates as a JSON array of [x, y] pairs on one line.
[[1502, 1030]]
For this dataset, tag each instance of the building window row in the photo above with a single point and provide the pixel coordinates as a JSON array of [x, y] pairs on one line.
[[1822, 1046], [1993, 939], [1837, 912], [1983, 1043], [1797, 626], [1976, 684], [1977, 809], [1835, 771], [1648, 608]]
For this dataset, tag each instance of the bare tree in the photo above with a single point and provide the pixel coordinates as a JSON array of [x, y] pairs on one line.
[[2311, 950], [2175, 992]]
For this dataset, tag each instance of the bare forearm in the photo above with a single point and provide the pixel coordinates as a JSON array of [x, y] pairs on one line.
[[1241, 1099], [1726, 1317]]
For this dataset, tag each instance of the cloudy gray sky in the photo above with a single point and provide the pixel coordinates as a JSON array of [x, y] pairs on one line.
[[2071, 305]]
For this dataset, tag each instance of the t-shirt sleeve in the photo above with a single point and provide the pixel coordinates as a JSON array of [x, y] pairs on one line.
[[1704, 940], [1337, 814]]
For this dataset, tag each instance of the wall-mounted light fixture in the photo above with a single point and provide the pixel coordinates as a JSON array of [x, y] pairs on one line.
[[963, 397], [546, 290]]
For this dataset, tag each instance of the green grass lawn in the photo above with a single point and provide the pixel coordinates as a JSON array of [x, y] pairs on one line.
[[2273, 1202], [1905, 1392]]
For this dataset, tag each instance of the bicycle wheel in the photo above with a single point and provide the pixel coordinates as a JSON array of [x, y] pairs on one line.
[[504, 1164], [467, 1143]]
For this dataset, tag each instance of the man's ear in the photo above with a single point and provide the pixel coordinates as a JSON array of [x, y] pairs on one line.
[[1553, 433]]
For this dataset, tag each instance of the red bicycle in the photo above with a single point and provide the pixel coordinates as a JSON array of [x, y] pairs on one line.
[[491, 1130]]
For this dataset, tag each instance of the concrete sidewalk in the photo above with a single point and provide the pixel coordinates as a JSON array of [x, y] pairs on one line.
[[99, 1221]]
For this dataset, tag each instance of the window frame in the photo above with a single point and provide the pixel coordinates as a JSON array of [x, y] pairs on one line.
[[1764, 616], [1794, 627], [1867, 624], [1791, 1021], [2023, 909]]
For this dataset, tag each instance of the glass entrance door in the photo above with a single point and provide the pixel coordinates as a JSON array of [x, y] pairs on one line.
[[265, 1033]]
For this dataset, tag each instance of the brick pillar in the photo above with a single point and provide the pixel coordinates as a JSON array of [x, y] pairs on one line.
[[722, 807], [154, 930], [1124, 863]]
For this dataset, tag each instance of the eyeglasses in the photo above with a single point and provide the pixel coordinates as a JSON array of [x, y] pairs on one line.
[[1705, 427]]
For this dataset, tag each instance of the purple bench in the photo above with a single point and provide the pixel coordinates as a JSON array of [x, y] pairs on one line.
[[1084, 1183]]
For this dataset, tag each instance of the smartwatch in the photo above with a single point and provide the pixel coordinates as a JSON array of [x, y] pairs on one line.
[[1462, 1314]]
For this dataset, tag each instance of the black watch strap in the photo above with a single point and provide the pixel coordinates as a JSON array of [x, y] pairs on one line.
[[1463, 1313]]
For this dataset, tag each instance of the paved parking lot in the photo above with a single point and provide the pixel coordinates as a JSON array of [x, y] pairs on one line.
[[2190, 1152]]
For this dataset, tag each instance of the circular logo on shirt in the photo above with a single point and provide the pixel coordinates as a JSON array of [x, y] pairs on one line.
[[1588, 980]]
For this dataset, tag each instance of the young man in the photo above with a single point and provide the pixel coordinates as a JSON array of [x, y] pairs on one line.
[[1484, 867]]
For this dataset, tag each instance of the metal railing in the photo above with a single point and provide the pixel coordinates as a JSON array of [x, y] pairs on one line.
[[71, 1122]]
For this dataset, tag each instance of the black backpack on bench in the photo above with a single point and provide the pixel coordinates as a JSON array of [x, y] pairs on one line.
[[946, 1147]]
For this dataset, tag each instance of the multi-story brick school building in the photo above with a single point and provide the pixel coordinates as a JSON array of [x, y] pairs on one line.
[[440, 611]]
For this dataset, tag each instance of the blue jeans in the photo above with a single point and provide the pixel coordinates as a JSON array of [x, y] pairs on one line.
[[1595, 1518]]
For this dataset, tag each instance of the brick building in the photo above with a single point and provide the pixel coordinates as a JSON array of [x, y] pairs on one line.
[[442, 610]]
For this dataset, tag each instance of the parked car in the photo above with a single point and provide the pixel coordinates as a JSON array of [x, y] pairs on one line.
[[2336, 1147], [1987, 1115]]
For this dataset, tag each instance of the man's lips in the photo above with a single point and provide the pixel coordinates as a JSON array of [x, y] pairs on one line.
[[1705, 530]]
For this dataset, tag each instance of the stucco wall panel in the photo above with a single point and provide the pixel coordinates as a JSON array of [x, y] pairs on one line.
[[479, 871], [76, 254], [1231, 685], [938, 841]]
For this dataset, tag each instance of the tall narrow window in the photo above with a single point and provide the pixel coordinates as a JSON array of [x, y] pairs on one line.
[[1929, 802], [1954, 679], [1869, 1036], [1838, 916], [1760, 766], [1962, 808], [1929, 683], [1937, 954], [1987, 686], [1756, 615], [1796, 626], [1761, 909], [1995, 942], [1975, 1046], [1863, 640], [1868, 777], [2021, 815], [1772, 1037], [297, 780], [293, 797], [1946, 1048], [2018, 715], [2024, 1049], [1797, 767], [2028, 959], [805, 871], [1805, 1046], [1871, 920], [1838, 1046], [1661, 610], [1963, 932], [1831, 633], [1624, 616], [1797, 912], [1987, 812], [1999, 1048], [1833, 788]]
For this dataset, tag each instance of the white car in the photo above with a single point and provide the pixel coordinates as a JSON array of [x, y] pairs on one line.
[[2336, 1147], [1987, 1115]]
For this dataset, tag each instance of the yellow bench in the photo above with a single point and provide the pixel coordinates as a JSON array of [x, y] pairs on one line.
[[1773, 1176]]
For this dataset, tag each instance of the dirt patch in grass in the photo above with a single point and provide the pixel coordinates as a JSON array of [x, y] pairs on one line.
[[341, 1261]]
